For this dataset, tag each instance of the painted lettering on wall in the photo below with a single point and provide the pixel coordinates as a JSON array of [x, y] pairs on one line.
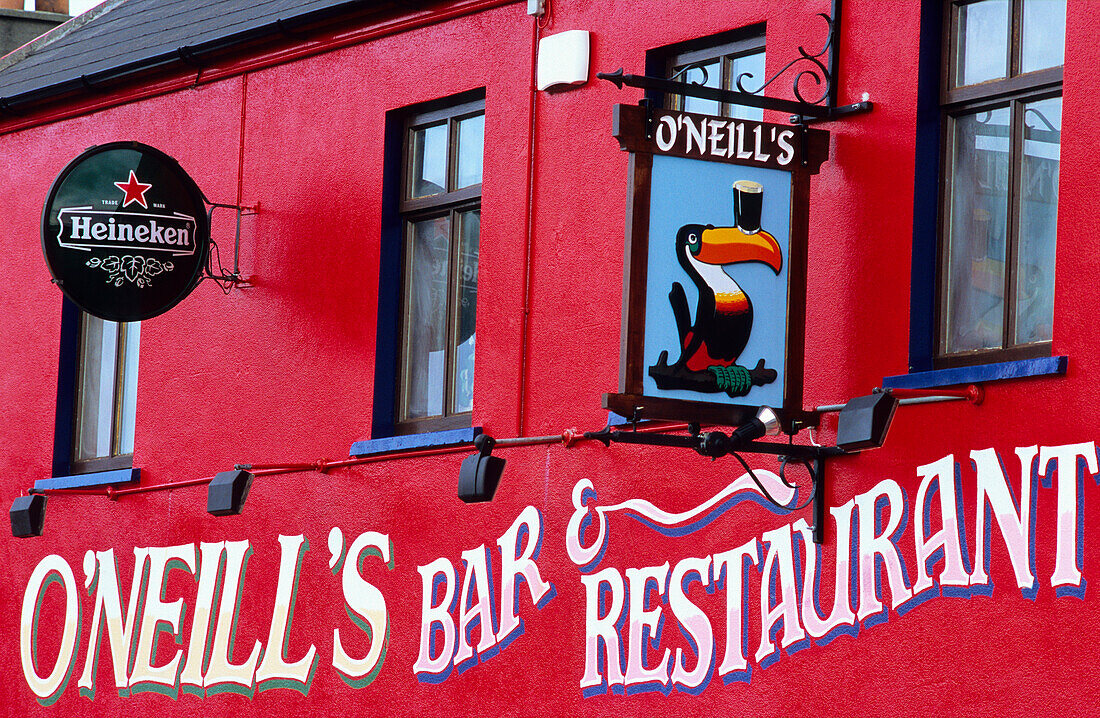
[[462, 624], [735, 608], [628, 611], [451, 614]]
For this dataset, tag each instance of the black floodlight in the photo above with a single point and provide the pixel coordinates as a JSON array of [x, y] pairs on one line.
[[227, 492], [28, 513], [864, 421], [480, 473]]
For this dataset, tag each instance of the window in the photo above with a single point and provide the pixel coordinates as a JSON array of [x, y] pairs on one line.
[[717, 61], [440, 218], [1001, 119], [106, 395]]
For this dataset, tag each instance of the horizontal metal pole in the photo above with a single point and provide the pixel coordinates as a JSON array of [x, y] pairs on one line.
[[732, 97]]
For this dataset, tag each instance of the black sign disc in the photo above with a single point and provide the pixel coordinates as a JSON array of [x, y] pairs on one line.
[[125, 232]]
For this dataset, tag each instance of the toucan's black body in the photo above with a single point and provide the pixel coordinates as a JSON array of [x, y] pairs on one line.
[[721, 335], [711, 344]]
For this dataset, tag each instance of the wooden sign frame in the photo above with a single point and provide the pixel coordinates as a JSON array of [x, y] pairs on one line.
[[796, 150]]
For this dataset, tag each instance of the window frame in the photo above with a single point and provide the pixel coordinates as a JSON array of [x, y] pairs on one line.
[[450, 203], [724, 46], [116, 459], [1012, 92], [67, 415]]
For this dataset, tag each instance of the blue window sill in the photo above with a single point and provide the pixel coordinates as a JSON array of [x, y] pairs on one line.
[[427, 440], [1045, 366], [97, 478]]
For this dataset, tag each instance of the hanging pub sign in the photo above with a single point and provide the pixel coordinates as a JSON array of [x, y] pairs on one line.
[[715, 266], [125, 232]]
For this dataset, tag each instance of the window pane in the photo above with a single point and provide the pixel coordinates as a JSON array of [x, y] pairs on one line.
[[754, 66], [1038, 220], [96, 397], [982, 34], [708, 75], [426, 318], [1044, 34], [471, 137], [131, 341], [977, 231], [462, 398], [429, 161]]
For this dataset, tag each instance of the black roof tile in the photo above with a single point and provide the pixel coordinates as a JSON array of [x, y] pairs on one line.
[[125, 36]]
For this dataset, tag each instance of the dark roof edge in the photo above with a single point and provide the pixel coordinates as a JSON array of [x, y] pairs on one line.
[[186, 55], [57, 33]]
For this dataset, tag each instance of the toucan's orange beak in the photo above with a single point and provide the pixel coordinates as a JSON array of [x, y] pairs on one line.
[[726, 245]]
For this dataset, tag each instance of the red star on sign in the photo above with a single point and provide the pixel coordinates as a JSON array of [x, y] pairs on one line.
[[135, 191]]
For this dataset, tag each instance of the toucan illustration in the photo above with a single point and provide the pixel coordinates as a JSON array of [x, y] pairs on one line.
[[711, 344]]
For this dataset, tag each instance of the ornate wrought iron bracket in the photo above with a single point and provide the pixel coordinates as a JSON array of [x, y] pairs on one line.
[[809, 66], [226, 279], [716, 444]]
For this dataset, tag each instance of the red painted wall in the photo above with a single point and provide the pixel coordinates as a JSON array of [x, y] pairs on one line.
[[283, 371]]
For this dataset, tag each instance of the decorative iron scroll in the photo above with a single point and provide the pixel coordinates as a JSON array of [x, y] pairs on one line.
[[803, 110], [813, 72]]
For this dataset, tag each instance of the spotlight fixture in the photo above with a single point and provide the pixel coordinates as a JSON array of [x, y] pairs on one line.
[[28, 513], [227, 492], [765, 423], [715, 443], [864, 421], [480, 473]]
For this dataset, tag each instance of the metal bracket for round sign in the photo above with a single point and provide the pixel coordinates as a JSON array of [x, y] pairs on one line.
[[125, 232]]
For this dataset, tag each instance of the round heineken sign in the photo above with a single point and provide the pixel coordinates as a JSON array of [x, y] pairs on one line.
[[125, 232]]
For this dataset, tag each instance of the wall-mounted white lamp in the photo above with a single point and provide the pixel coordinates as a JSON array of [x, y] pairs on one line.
[[563, 59]]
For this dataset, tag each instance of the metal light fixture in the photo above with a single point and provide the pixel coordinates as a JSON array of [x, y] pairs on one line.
[[480, 473], [765, 423], [864, 421], [28, 513], [862, 424], [227, 492]]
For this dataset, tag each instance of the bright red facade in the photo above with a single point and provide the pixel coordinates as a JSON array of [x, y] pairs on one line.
[[283, 370]]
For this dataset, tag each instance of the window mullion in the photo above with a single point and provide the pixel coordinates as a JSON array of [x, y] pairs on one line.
[[405, 366], [450, 358], [117, 389], [1012, 240], [1015, 28]]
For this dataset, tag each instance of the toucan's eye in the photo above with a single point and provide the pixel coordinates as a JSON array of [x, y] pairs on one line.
[[693, 239]]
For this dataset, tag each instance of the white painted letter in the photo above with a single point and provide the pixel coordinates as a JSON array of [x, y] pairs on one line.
[[841, 613], [729, 568], [50, 570], [694, 621], [645, 625], [274, 670], [426, 668], [475, 576], [605, 629], [1014, 523], [1069, 545], [780, 557], [159, 616], [513, 564], [872, 544], [366, 606], [222, 674], [948, 538]]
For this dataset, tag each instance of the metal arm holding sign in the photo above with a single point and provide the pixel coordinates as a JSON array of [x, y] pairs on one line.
[[802, 111], [225, 279]]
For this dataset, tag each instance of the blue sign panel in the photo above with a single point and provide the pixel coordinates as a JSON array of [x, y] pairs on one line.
[[717, 283]]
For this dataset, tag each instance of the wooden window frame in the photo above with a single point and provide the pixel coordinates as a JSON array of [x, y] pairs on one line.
[[115, 460], [1011, 92], [449, 203], [726, 53]]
